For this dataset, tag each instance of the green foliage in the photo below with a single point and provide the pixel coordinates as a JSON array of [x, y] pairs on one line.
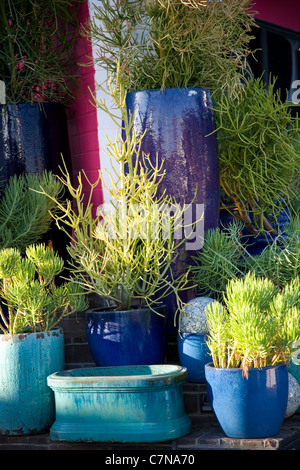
[[37, 42], [173, 43], [280, 260], [125, 253], [259, 154], [27, 288], [24, 213], [257, 325], [224, 257], [218, 261]]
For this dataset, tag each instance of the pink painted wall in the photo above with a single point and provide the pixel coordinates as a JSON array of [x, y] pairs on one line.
[[82, 118], [285, 13]]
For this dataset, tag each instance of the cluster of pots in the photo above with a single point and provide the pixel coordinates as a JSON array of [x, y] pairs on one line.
[[245, 407]]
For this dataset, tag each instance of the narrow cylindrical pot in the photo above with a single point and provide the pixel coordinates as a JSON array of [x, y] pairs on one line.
[[122, 404], [193, 354], [26, 402], [179, 132], [248, 407], [130, 337]]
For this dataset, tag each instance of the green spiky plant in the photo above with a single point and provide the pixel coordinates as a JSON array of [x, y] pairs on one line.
[[225, 257], [173, 43], [27, 287], [24, 214], [125, 253], [257, 325], [259, 155], [37, 42]]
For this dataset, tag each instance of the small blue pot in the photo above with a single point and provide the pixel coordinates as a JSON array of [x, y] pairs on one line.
[[193, 354], [252, 407], [130, 337]]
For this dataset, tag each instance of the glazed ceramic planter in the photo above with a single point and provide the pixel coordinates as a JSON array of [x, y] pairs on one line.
[[26, 402], [122, 404], [252, 407], [130, 337], [193, 354], [179, 125], [257, 243], [32, 139]]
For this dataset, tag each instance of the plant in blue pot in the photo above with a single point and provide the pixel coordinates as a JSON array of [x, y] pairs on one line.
[[124, 254], [174, 55], [37, 73], [192, 348], [259, 158], [31, 343], [252, 336]]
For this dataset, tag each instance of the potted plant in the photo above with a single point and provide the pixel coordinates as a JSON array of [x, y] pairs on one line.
[[31, 345], [258, 142], [252, 337], [173, 55], [36, 65], [224, 257], [124, 254]]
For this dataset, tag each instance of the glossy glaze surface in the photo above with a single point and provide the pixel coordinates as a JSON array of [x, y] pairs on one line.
[[131, 337], [26, 360], [32, 139], [250, 407], [179, 125], [193, 354], [122, 404]]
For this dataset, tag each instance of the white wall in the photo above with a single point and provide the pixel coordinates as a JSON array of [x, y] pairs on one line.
[[106, 127]]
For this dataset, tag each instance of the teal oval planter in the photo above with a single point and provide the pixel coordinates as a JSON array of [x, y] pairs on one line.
[[121, 403], [26, 401]]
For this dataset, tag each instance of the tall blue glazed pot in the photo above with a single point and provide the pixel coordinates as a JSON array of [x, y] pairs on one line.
[[26, 402], [252, 407], [179, 125], [32, 138], [130, 337]]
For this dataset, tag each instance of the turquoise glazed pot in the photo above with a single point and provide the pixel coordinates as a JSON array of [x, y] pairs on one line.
[[252, 407], [26, 402], [122, 404], [130, 337], [193, 354]]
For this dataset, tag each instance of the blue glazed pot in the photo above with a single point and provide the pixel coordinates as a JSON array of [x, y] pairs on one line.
[[130, 337], [179, 125], [32, 139], [122, 404], [26, 360], [252, 407], [256, 244], [193, 354]]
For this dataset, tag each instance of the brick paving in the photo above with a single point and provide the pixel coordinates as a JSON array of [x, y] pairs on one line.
[[205, 435]]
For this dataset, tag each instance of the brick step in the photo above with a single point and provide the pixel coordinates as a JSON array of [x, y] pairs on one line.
[[204, 436]]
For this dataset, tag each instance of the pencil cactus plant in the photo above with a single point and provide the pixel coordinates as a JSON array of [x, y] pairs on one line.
[[125, 253]]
